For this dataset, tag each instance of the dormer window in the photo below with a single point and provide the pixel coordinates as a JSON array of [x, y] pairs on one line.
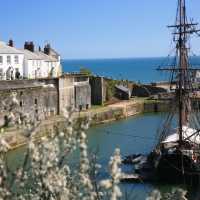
[[9, 59], [1, 60]]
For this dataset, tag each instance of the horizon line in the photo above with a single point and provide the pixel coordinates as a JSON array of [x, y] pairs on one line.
[[112, 58]]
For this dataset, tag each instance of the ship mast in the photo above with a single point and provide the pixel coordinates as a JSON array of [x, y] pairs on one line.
[[182, 51], [183, 30]]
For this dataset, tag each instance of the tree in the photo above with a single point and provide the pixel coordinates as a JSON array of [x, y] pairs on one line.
[[85, 71]]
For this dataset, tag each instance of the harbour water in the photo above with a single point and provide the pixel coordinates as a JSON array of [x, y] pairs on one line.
[[133, 135]]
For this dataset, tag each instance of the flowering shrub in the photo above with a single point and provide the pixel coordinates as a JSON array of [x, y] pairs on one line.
[[115, 172], [45, 172]]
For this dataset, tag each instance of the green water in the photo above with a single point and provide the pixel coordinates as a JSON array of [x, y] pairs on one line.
[[133, 135]]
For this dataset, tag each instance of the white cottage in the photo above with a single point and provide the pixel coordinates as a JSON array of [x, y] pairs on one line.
[[49, 64], [11, 62], [32, 65], [53, 54], [28, 63], [44, 63]]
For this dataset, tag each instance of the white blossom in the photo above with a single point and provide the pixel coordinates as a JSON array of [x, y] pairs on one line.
[[115, 172], [45, 172], [155, 195]]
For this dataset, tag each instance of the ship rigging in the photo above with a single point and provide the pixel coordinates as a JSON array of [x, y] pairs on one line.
[[176, 157]]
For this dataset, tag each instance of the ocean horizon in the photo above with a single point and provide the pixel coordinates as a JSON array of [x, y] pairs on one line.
[[143, 70], [134, 69]]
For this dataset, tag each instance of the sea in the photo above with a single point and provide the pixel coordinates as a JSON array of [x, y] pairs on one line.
[[142, 70]]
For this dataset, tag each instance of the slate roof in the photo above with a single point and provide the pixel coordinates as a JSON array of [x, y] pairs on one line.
[[45, 57], [123, 88], [5, 49], [30, 55], [54, 52], [37, 55]]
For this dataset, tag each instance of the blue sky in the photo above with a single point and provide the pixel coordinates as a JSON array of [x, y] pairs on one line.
[[94, 28]]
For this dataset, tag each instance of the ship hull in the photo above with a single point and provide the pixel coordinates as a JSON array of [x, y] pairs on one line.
[[177, 168]]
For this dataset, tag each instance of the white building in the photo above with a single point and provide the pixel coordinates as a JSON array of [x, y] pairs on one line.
[[28, 63], [49, 62], [11, 62], [50, 65], [53, 60], [32, 65]]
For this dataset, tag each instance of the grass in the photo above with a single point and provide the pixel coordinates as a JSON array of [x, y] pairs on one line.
[[94, 107]]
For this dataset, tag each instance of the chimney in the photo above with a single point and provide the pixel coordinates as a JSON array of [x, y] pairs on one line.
[[47, 49], [10, 43], [29, 46]]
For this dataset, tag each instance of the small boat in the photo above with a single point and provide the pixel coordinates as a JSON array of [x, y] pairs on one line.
[[131, 159]]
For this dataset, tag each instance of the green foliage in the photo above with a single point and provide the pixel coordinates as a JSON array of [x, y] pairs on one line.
[[110, 87], [86, 71]]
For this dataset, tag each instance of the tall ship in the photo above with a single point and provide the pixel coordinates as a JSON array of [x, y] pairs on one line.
[[177, 154], [176, 157]]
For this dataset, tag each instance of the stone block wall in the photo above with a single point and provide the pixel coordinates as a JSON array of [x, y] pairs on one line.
[[46, 97], [82, 97], [74, 91], [38, 98], [66, 93]]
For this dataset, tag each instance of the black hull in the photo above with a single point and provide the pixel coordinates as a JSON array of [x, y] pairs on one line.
[[177, 168]]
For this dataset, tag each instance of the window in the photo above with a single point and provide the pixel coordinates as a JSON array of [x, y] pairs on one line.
[[8, 59], [1, 73], [16, 59], [33, 62], [1, 60]]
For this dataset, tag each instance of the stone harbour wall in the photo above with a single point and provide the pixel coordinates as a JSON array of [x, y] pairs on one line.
[[82, 97], [160, 106], [36, 98]]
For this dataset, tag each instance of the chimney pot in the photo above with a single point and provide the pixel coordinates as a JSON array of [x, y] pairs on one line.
[[47, 49], [29, 46], [10, 43]]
